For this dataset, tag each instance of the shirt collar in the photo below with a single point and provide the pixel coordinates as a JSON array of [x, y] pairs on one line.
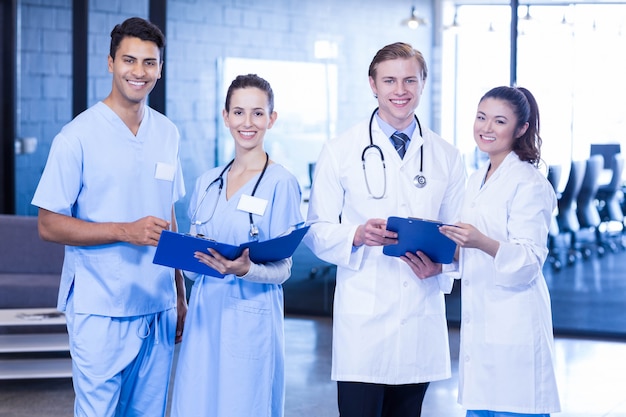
[[389, 130]]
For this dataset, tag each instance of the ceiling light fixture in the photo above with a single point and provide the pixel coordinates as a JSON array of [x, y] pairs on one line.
[[414, 21], [454, 27], [527, 16], [525, 22]]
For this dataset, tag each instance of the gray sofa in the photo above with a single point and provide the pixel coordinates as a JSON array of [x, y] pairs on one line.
[[30, 268]]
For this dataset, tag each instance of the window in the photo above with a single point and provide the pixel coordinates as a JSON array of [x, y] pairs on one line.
[[569, 56], [305, 98]]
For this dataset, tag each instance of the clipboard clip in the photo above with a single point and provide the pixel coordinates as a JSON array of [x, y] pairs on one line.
[[437, 222], [425, 220], [201, 236]]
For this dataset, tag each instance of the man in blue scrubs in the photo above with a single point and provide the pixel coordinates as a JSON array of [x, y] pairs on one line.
[[107, 192]]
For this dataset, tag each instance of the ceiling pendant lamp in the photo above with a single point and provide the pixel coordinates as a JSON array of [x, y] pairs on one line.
[[414, 21]]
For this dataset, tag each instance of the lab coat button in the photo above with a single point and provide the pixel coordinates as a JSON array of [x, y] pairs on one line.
[[406, 284], [467, 358], [466, 282]]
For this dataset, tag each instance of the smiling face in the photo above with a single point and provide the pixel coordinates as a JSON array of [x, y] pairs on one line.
[[136, 69], [398, 85], [495, 128], [249, 117]]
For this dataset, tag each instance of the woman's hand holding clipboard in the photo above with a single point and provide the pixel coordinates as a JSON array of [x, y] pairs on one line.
[[420, 235]]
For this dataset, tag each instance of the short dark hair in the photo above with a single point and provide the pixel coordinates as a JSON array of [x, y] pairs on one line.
[[136, 27], [398, 50], [250, 80]]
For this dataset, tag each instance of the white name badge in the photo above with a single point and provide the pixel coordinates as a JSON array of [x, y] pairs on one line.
[[164, 171], [252, 204]]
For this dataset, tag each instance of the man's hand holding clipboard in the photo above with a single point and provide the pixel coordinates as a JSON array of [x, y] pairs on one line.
[[420, 235]]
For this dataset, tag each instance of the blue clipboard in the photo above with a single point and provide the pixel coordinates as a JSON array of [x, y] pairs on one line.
[[176, 250], [419, 234]]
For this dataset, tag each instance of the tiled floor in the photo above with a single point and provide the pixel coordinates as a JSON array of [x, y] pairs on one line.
[[587, 297], [591, 375], [590, 297]]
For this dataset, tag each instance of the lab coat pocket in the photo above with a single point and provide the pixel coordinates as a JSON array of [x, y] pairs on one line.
[[249, 322], [508, 319], [355, 293]]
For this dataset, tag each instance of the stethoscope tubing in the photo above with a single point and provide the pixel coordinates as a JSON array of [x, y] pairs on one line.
[[254, 231], [220, 180], [419, 181]]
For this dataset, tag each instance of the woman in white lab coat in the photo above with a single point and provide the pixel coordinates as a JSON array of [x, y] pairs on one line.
[[507, 353]]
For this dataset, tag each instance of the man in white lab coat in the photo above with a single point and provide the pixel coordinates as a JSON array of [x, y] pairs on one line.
[[390, 335]]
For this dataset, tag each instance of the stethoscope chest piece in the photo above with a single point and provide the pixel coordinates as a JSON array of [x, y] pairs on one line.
[[419, 181], [254, 231]]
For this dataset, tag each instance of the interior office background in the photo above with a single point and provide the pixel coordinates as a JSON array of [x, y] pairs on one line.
[[316, 55], [279, 40]]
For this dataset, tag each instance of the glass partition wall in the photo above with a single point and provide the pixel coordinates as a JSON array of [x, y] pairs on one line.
[[571, 56]]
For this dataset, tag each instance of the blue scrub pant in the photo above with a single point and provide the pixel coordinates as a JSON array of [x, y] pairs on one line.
[[121, 365], [486, 413]]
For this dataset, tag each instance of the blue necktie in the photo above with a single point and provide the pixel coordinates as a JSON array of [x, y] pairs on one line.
[[400, 141]]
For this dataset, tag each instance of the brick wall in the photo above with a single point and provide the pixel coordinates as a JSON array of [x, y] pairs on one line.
[[199, 33], [44, 73]]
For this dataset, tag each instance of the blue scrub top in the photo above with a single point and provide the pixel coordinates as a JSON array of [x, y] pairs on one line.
[[98, 171]]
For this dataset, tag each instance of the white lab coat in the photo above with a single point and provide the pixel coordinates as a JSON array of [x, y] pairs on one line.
[[389, 327], [506, 359]]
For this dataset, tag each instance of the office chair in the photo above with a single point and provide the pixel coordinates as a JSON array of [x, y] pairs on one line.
[[607, 150], [566, 216], [557, 242], [610, 198], [589, 236]]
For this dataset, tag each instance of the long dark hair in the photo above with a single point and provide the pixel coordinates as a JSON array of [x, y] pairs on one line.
[[524, 105]]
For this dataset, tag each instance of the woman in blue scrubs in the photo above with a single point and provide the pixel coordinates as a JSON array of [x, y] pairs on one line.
[[231, 362]]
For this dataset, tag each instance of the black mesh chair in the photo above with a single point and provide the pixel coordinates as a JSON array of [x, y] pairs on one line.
[[566, 216], [588, 238], [557, 244], [610, 198], [610, 195]]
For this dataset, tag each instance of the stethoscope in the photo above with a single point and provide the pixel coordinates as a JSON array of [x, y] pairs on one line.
[[254, 230], [419, 180]]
